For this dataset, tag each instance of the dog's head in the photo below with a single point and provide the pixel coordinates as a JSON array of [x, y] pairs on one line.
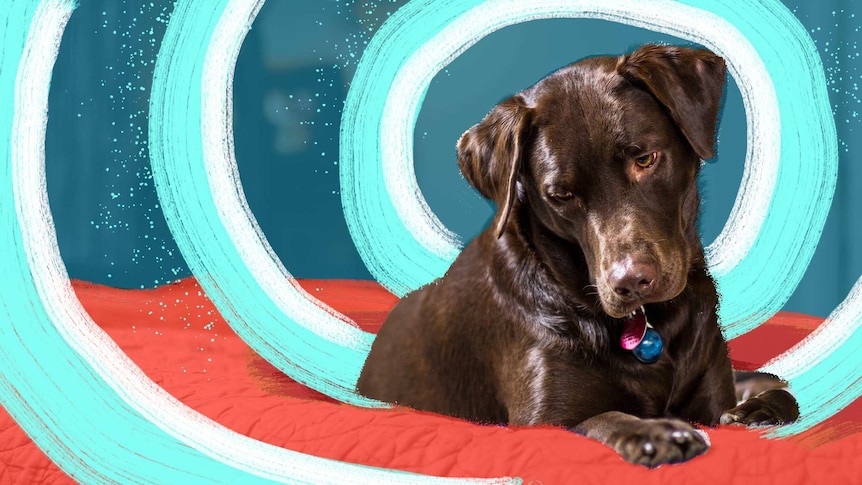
[[604, 154]]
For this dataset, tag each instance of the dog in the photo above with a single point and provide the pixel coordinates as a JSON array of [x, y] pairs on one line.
[[587, 303]]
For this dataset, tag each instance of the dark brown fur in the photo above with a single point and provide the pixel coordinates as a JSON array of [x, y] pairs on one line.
[[525, 325]]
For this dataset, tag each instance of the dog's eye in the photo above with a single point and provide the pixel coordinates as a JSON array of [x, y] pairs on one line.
[[647, 161], [561, 195]]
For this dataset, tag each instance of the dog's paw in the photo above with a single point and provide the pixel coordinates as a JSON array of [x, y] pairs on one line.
[[654, 442], [771, 407]]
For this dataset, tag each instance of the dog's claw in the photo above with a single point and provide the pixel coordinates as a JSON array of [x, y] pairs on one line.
[[648, 449], [730, 418]]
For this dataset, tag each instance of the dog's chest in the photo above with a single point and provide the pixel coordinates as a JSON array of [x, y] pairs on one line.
[[560, 387], [649, 387]]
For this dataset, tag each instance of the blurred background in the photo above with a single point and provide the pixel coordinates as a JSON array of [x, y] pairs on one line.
[[292, 76]]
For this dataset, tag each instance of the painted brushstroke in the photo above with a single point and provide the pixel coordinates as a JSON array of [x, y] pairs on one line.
[[102, 420], [824, 369], [64, 381], [760, 255], [75, 393], [195, 174]]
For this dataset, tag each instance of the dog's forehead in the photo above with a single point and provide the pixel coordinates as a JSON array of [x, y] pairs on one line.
[[584, 87], [589, 110], [582, 103]]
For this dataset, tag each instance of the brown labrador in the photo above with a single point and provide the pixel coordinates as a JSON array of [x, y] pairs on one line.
[[587, 304]]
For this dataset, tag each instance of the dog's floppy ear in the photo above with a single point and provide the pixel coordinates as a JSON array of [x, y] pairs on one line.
[[688, 82], [490, 155]]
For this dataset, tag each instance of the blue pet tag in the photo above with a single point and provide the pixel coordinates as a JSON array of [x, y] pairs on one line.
[[649, 350]]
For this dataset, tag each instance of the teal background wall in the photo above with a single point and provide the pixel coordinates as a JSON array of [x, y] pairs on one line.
[[291, 78]]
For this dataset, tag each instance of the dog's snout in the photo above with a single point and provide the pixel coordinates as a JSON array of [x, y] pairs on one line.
[[632, 279]]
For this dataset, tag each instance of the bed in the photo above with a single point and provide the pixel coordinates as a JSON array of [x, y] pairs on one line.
[[177, 338]]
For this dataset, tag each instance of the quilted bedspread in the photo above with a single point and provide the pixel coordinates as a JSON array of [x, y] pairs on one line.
[[175, 335]]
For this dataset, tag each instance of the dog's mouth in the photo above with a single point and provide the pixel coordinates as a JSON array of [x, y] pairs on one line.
[[621, 310]]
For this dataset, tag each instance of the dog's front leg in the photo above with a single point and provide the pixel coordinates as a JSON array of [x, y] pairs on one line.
[[770, 407], [762, 399], [648, 442]]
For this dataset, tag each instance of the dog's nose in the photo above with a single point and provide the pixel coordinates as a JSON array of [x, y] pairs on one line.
[[632, 279]]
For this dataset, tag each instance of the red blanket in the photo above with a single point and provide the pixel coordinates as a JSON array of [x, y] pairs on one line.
[[178, 339]]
